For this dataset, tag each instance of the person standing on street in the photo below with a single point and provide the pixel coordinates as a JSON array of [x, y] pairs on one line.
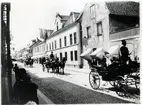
[[124, 52], [16, 69], [51, 55], [42, 62]]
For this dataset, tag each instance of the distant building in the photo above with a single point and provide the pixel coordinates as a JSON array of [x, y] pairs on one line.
[[38, 49], [65, 40], [22, 54]]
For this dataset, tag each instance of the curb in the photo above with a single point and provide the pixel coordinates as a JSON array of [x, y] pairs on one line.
[[44, 98]]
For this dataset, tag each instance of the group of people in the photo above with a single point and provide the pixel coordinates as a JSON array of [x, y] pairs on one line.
[[50, 58], [24, 90], [123, 57]]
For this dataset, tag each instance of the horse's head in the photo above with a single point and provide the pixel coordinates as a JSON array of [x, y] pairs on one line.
[[64, 59]]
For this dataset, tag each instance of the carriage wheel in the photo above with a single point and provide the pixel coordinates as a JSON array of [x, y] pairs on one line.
[[94, 80], [137, 81], [120, 86]]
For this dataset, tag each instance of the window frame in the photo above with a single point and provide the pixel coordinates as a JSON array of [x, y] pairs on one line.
[[71, 55], [65, 41], [98, 30], [60, 42], [75, 55], [71, 39], [75, 38], [92, 11], [88, 30]]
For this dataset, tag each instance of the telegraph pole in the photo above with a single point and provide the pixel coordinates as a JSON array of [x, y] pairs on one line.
[[5, 42]]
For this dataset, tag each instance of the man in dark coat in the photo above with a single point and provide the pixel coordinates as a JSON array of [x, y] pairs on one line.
[[124, 52], [43, 63], [16, 70], [25, 90], [51, 55]]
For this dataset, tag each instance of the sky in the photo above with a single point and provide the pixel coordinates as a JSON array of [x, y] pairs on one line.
[[27, 16]]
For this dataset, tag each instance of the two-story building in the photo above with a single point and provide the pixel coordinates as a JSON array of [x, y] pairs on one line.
[[65, 40], [106, 24]]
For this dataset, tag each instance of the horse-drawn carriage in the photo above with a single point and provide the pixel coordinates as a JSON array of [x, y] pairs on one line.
[[29, 62], [56, 65], [117, 73]]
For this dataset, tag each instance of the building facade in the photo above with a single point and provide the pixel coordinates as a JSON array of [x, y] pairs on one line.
[[65, 40], [38, 50], [95, 22]]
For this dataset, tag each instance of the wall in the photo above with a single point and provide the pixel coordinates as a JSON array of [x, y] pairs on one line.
[[42, 49]]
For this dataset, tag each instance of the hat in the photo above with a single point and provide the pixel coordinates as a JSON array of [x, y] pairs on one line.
[[123, 42]]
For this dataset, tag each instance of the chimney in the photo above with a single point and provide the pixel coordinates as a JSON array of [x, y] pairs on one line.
[[33, 41]]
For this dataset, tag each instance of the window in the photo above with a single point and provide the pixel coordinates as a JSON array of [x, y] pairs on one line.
[[92, 11], [88, 32], [55, 44], [47, 47], [57, 26], [60, 56], [71, 55], [60, 43], [99, 29], [43, 48], [75, 54], [70, 39], [65, 42], [38, 49], [74, 37], [66, 55], [52, 46]]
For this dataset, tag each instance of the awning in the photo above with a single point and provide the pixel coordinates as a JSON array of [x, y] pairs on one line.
[[37, 56], [114, 50], [99, 52], [86, 55]]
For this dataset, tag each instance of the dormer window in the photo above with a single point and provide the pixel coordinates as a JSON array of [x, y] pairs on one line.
[[92, 11]]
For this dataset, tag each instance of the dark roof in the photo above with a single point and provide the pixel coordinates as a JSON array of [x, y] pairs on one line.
[[70, 20], [62, 29], [64, 17], [35, 44], [67, 24], [126, 8]]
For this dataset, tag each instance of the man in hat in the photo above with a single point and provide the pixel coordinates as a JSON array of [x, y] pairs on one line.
[[51, 55], [124, 52]]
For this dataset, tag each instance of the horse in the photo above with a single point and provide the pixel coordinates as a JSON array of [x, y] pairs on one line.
[[28, 62], [56, 65], [51, 63]]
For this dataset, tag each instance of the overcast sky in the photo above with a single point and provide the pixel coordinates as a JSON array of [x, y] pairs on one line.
[[27, 16]]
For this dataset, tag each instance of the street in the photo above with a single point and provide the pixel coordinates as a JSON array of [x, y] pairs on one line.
[[71, 88]]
